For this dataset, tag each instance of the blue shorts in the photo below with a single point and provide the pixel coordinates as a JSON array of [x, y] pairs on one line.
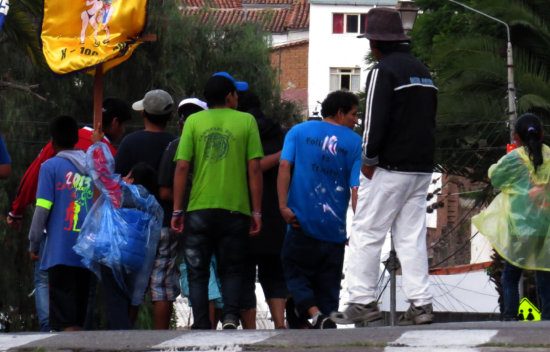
[[214, 286]]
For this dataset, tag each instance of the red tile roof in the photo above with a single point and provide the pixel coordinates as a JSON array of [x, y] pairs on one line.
[[221, 4], [291, 45], [276, 19], [270, 2]]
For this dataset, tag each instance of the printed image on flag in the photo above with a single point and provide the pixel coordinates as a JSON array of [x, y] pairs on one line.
[[81, 34], [4, 7]]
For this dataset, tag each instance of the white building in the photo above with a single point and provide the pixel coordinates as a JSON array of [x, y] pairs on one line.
[[336, 55]]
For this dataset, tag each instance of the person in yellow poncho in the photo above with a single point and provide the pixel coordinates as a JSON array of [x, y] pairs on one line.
[[517, 222]]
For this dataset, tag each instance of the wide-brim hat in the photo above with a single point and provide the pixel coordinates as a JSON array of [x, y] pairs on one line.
[[384, 24]]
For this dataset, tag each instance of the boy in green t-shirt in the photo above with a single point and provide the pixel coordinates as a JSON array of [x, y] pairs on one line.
[[225, 148]]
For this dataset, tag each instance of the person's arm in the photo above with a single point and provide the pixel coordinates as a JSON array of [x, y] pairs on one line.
[[255, 185], [270, 161], [166, 170], [379, 102], [39, 221], [26, 192], [180, 181], [45, 196], [5, 170], [354, 198], [283, 185]]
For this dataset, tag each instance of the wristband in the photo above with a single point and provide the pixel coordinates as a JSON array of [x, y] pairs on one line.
[[255, 213], [15, 217], [177, 213]]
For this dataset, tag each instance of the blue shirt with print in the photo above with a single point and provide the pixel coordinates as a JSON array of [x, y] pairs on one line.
[[327, 161], [68, 194]]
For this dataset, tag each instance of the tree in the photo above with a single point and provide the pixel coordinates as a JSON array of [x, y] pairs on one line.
[[467, 53]]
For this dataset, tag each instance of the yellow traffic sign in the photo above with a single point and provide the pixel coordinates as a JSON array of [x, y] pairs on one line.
[[528, 311]]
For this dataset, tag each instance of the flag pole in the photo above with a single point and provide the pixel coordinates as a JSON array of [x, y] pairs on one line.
[[98, 94]]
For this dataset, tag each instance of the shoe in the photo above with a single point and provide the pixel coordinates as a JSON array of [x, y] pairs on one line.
[[417, 315], [323, 322], [357, 313], [230, 322], [294, 320]]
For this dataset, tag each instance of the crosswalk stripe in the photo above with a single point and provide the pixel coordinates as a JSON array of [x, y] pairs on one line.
[[218, 340], [9, 341], [444, 340]]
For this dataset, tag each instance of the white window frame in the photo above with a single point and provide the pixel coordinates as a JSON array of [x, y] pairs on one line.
[[336, 74], [345, 29]]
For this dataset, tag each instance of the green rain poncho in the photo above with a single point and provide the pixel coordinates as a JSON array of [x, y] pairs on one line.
[[517, 223]]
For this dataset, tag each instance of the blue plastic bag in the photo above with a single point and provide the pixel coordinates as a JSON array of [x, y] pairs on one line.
[[122, 229]]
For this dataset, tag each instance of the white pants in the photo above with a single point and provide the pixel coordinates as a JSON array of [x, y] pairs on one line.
[[395, 201]]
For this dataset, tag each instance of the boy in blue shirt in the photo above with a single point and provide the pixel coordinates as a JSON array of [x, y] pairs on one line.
[[313, 200], [63, 199]]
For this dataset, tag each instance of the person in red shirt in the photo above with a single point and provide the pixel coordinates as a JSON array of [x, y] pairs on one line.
[[115, 115]]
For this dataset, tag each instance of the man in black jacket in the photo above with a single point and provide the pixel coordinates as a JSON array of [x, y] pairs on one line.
[[398, 149]]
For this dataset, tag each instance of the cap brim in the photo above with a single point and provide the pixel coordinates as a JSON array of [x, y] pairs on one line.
[[138, 105], [241, 86]]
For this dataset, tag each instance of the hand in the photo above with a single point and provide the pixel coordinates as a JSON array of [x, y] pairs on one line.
[[177, 224], [14, 223], [255, 225], [368, 171], [290, 217], [98, 134], [34, 257]]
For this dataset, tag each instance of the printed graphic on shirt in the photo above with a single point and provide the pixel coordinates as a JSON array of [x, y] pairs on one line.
[[216, 142], [326, 166], [81, 191]]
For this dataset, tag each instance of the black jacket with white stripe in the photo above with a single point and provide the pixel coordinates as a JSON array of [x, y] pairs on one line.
[[401, 103]]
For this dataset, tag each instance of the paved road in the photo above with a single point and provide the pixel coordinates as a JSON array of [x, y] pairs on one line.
[[447, 337]]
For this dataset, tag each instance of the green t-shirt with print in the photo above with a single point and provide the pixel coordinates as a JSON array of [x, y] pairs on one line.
[[220, 142]]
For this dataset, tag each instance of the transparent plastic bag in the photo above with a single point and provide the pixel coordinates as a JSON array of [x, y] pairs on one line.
[[122, 229], [517, 222]]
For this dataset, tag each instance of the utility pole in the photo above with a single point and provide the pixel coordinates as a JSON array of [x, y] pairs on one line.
[[512, 114]]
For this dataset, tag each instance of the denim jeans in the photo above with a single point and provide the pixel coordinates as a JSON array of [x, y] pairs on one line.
[[224, 233], [41, 293], [313, 271], [511, 275]]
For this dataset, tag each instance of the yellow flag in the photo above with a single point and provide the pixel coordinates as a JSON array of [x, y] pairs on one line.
[[81, 34]]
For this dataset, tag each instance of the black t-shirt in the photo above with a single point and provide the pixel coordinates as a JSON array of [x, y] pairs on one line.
[[148, 147], [270, 239], [167, 167]]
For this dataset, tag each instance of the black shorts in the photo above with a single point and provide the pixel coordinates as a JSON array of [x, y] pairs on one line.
[[69, 290], [270, 276]]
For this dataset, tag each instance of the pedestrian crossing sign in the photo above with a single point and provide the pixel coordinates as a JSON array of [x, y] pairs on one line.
[[528, 311]]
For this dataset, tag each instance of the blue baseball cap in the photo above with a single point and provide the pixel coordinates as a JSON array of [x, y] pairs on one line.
[[241, 86]]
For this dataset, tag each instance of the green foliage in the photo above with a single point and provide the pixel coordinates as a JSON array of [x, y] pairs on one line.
[[467, 55], [185, 54]]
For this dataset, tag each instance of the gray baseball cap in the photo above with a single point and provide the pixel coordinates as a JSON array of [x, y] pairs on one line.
[[155, 102]]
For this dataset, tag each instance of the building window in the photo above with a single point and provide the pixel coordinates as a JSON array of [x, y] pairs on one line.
[[345, 79], [349, 23]]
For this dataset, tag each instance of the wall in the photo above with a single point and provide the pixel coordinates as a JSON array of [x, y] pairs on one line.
[[332, 50], [291, 64]]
